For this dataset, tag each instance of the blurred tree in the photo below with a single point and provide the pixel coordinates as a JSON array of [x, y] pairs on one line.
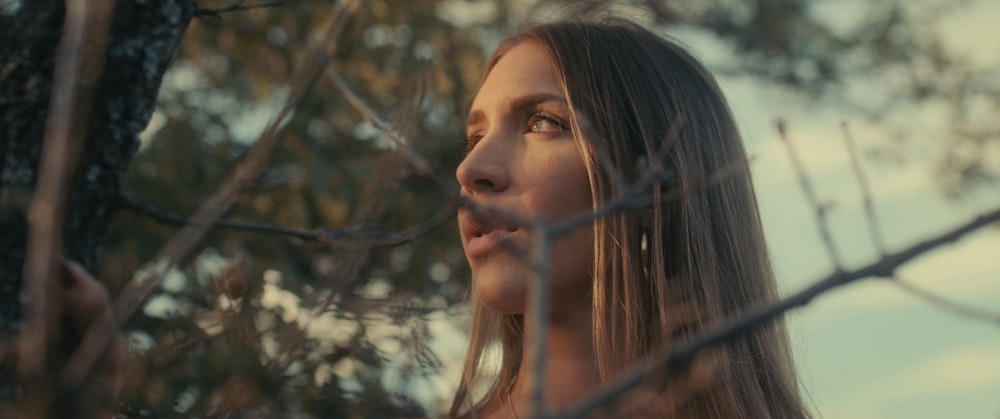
[[103, 113], [122, 105], [314, 329], [271, 324]]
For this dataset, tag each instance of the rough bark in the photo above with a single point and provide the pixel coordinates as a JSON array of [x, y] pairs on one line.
[[142, 42]]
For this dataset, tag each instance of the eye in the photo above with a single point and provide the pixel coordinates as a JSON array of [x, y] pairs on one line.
[[542, 122]]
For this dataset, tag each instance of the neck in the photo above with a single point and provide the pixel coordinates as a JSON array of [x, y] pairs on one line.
[[570, 368]]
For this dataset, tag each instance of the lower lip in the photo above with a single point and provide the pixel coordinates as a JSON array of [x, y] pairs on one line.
[[481, 245]]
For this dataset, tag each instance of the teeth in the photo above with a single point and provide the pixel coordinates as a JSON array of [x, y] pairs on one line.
[[485, 227]]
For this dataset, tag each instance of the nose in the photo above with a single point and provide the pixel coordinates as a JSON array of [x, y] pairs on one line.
[[484, 169]]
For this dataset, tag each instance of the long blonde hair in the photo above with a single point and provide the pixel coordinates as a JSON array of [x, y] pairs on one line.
[[648, 104]]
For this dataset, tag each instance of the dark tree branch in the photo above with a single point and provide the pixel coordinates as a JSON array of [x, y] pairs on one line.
[[354, 237], [636, 198], [420, 164], [237, 6], [538, 300], [810, 194], [244, 174], [946, 304], [673, 360], [866, 193]]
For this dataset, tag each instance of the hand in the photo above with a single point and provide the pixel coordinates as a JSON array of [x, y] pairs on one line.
[[93, 370]]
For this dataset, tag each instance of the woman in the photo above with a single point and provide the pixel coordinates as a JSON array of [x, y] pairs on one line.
[[570, 116]]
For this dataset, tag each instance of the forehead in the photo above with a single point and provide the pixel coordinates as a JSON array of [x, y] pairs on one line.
[[526, 69]]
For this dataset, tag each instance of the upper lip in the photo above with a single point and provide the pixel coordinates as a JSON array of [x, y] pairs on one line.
[[476, 225]]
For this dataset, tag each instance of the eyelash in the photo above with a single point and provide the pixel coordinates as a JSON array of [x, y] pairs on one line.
[[545, 116], [471, 139]]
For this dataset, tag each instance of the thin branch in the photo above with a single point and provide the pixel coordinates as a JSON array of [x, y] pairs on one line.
[[163, 216], [237, 6], [78, 67], [244, 174], [538, 300], [807, 189], [634, 198], [354, 237], [674, 358], [866, 193], [420, 164], [540, 293], [652, 166], [948, 305]]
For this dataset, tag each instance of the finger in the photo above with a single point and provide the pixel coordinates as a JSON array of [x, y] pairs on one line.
[[101, 350], [111, 366], [85, 298], [98, 339]]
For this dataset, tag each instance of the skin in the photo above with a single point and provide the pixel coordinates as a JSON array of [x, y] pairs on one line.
[[522, 159], [96, 363]]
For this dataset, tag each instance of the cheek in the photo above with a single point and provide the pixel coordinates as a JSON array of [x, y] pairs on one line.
[[567, 194], [561, 192], [572, 257]]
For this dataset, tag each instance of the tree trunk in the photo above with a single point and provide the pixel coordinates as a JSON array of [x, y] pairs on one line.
[[143, 37]]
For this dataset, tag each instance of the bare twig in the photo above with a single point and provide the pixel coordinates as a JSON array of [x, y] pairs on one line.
[[78, 67], [237, 6], [652, 165], [635, 198], [866, 193], [538, 300], [420, 164], [244, 173], [807, 189], [675, 357], [948, 305], [354, 237]]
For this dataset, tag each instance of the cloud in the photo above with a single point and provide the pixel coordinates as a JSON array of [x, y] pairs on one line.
[[957, 383], [954, 373], [963, 31]]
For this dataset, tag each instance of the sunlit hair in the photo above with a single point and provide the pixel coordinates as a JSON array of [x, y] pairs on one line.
[[640, 102]]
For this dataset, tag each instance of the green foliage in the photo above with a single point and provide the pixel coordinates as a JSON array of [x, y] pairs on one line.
[[220, 338]]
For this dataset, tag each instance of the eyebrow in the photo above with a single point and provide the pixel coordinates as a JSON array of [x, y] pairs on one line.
[[522, 102]]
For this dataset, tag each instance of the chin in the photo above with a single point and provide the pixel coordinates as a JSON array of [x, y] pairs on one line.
[[502, 292]]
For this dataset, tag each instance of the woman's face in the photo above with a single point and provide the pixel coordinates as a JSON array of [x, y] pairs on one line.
[[522, 159]]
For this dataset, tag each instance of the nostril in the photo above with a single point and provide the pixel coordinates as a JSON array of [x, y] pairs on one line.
[[484, 184]]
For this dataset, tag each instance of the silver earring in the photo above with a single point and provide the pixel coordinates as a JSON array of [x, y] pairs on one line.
[[644, 252]]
